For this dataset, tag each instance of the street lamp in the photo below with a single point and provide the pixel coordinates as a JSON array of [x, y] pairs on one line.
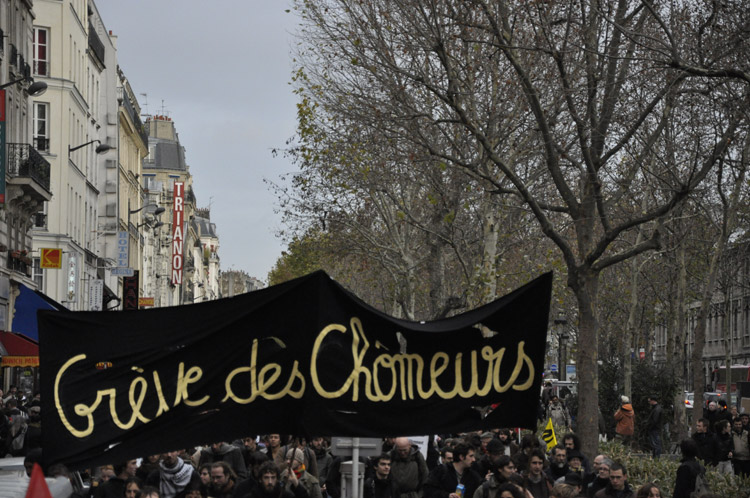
[[100, 149], [35, 89], [562, 338]]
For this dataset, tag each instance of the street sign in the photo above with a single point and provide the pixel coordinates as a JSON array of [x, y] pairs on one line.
[[570, 370], [553, 367], [122, 272]]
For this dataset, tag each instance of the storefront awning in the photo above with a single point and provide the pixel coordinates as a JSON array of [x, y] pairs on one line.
[[22, 351], [27, 304]]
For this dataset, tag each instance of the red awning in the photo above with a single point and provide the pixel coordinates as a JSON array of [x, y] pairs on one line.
[[22, 351]]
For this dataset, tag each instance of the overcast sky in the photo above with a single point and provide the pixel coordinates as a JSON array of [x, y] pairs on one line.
[[222, 70]]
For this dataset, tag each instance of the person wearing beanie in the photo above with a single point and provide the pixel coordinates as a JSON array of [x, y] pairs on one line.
[[296, 472], [625, 419], [488, 462]]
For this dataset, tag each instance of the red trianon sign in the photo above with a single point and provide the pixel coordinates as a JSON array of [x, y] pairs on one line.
[[178, 236]]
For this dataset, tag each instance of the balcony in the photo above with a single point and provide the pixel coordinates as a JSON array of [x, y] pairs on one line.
[[28, 186], [25, 162], [19, 261], [124, 99], [96, 45]]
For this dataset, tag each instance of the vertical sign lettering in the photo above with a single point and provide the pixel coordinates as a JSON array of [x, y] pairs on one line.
[[96, 294], [2, 146], [130, 292], [178, 237], [123, 242]]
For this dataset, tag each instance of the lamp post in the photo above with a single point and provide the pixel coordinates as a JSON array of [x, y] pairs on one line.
[[100, 149], [562, 338], [34, 90]]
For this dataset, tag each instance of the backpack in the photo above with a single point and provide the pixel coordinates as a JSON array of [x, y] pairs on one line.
[[701, 486]]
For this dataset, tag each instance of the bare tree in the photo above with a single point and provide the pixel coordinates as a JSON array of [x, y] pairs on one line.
[[563, 105]]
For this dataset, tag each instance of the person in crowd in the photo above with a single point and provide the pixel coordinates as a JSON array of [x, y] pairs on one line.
[[149, 492], [508, 490], [688, 471], [648, 490], [381, 484], [563, 491], [741, 445], [529, 443], [724, 447], [547, 392], [574, 480], [310, 462], [535, 480], [571, 441], [575, 463], [148, 465], [654, 426], [706, 441], [250, 450], [712, 414], [296, 468], [409, 468], [133, 487], [173, 476], [745, 418], [114, 487], [33, 437], [618, 486], [324, 459], [490, 488], [270, 485], [223, 452], [446, 454], [444, 479], [558, 413], [488, 462], [510, 446], [223, 480], [204, 471], [484, 439], [558, 463], [625, 420], [274, 450], [588, 478], [602, 476]]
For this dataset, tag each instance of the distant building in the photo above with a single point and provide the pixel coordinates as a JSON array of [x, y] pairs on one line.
[[727, 324], [236, 282]]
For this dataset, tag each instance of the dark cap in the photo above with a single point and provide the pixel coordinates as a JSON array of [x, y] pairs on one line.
[[573, 478], [495, 447], [575, 454]]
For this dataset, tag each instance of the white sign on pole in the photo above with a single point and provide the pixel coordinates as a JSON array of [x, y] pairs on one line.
[[96, 294], [421, 442]]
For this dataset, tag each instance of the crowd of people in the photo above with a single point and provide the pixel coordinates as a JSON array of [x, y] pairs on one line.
[[492, 464]]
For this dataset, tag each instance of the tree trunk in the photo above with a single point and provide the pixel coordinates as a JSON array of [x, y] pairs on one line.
[[675, 348], [630, 326], [586, 287]]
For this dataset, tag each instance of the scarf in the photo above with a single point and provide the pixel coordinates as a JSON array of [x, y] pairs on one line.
[[174, 480], [299, 471]]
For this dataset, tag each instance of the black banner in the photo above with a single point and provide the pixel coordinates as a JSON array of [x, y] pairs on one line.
[[304, 357]]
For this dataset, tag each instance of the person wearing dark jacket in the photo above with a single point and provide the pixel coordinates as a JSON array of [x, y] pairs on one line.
[[601, 479], [688, 471], [558, 463], [618, 486], [724, 447], [534, 479], [706, 441], [654, 425], [381, 484], [444, 479], [488, 463], [408, 468]]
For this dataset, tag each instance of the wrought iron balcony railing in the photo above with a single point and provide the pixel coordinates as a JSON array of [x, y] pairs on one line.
[[25, 161]]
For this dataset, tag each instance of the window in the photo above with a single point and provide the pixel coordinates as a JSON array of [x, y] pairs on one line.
[[38, 274], [41, 51], [41, 126]]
